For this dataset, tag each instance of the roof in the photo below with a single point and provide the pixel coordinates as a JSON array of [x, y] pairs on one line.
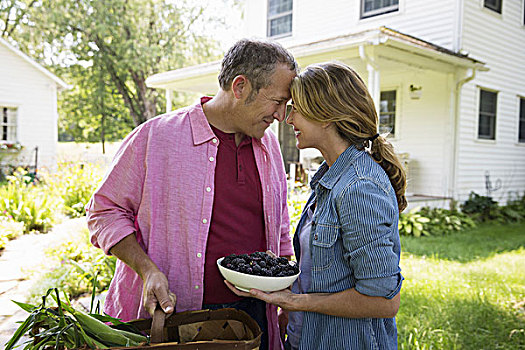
[[203, 78], [35, 64]]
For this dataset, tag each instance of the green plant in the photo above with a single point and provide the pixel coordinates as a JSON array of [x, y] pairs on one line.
[[296, 201], [482, 208], [413, 223], [27, 202], [76, 265], [74, 184], [443, 221], [9, 229], [63, 327]]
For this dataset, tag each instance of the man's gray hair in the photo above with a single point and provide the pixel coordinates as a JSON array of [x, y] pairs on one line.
[[255, 59]]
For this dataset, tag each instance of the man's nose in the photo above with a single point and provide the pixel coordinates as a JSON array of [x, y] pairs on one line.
[[280, 114]]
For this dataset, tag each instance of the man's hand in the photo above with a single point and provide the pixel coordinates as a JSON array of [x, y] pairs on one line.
[[156, 291], [156, 287], [282, 318]]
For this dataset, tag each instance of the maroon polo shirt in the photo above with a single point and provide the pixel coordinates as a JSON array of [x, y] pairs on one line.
[[237, 222]]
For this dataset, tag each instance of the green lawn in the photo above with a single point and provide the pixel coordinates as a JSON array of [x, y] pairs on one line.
[[464, 291]]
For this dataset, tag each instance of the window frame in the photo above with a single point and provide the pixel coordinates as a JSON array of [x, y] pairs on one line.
[[377, 12], [498, 9], [395, 134], [479, 115], [521, 119], [12, 127], [270, 18]]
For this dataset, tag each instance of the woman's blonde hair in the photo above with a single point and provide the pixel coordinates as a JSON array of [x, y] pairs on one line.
[[334, 92]]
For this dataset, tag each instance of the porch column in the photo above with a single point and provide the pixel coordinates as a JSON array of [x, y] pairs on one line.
[[374, 78], [168, 100]]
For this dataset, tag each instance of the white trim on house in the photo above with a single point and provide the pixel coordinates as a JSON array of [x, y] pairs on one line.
[[28, 59], [202, 78]]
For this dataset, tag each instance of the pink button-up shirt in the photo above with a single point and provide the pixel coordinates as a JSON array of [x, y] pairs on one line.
[[160, 185]]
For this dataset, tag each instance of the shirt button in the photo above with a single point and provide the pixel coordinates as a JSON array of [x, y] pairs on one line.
[[214, 140], [204, 221], [196, 287], [199, 255], [208, 189], [211, 159], [268, 188]]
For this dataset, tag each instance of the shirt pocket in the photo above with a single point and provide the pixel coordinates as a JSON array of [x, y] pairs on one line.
[[323, 246]]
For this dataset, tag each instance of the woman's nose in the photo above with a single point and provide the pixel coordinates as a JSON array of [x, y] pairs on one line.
[[289, 119]]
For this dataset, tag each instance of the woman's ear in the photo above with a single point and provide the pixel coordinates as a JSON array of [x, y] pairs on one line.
[[240, 86], [327, 125]]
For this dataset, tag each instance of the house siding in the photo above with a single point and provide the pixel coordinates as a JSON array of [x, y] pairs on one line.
[[499, 41], [315, 20], [34, 94]]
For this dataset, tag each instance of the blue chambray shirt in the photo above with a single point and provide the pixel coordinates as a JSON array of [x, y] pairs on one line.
[[354, 243]]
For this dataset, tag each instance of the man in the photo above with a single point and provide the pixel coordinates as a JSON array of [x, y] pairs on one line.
[[195, 184]]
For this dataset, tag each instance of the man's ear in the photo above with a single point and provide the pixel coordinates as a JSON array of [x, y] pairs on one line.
[[240, 86]]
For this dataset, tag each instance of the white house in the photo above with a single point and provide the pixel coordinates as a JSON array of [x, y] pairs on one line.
[[28, 110], [448, 78]]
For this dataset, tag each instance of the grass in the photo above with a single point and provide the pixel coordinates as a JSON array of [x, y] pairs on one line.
[[464, 291]]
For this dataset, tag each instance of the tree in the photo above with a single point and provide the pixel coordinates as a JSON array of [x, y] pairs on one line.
[[107, 49], [125, 41]]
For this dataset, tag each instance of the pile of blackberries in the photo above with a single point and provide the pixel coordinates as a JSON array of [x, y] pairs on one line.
[[260, 264]]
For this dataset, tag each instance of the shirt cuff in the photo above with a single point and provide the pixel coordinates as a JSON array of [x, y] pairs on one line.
[[386, 287]]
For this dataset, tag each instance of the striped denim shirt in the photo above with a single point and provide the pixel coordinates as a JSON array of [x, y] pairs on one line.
[[354, 243]]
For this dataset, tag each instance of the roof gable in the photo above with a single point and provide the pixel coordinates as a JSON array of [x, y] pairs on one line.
[[32, 62]]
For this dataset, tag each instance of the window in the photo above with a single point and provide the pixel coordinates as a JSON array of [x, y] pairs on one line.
[[8, 124], [370, 8], [387, 113], [494, 5], [279, 17], [487, 115], [521, 130]]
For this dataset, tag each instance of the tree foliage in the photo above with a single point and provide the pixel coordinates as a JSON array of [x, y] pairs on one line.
[[106, 49]]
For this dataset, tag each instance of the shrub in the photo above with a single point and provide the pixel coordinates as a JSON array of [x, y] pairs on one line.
[[296, 202], [443, 221], [75, 265], [482, 208], [9, 229], [74, 184], [26, 202], [413, 223]]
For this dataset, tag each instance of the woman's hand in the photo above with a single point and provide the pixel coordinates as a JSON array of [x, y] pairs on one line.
[[285, 299]]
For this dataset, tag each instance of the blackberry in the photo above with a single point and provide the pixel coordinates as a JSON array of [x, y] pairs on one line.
[[261, 264]]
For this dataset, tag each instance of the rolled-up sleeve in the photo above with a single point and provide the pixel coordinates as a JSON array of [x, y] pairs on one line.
[[112, 209], [369, 223]]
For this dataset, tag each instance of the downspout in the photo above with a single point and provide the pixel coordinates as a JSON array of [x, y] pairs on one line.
[[373, 76], [457, 112]]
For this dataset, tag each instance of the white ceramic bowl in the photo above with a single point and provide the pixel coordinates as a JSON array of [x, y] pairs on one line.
[[245, 282]]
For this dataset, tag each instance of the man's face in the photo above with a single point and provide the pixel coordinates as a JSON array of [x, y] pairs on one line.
[[269, 104]]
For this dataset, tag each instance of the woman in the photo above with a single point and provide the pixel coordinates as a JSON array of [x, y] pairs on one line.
[[347, 240]]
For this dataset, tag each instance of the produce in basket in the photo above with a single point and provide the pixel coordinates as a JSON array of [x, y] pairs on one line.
[[63, 327]]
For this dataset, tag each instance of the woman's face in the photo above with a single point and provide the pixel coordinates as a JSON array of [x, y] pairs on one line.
[[308, 133]]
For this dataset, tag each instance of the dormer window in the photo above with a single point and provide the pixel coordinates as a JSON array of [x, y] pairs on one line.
[[279, 18], [370, 8]]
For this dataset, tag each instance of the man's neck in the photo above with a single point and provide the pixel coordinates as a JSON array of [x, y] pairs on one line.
[[218, 113]]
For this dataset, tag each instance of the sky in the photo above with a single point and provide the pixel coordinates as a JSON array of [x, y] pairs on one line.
[[231, 29]]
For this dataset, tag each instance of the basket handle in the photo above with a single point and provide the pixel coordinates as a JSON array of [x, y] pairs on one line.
[[157, 325]]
